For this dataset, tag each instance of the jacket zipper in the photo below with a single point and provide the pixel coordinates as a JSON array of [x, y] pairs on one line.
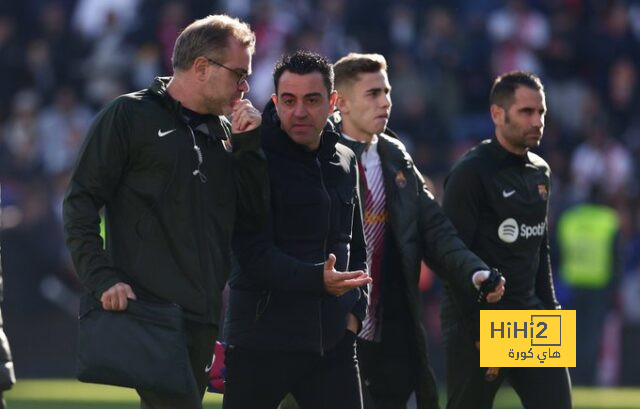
[[324, 249]]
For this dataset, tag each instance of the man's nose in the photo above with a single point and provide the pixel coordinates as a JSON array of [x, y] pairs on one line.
[[386, 101], [538, 121], [300, 110]]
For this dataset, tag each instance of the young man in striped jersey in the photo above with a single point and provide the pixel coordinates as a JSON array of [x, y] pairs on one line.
[[403, 225]]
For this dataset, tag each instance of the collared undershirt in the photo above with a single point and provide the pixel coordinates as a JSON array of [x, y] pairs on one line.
[[375, 219]]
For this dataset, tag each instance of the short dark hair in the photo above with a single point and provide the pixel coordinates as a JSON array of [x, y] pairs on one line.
[[209, 36], [505, 85], [348, 68], [304, 62]]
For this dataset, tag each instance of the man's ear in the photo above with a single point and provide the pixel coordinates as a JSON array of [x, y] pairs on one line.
[[497, 114], [199, 67], [333, 97], [274, 98], [342, 103]]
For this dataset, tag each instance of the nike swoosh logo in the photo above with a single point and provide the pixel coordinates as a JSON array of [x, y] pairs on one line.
[[508, 194], [164, 133]]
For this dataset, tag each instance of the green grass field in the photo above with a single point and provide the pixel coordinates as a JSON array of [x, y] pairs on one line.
[[70, 394]]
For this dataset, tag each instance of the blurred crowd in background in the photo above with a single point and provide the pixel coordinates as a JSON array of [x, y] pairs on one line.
[[62, 60]]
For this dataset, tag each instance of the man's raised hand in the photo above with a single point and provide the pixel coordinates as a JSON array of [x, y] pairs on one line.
[[244, 117], [337, 282]]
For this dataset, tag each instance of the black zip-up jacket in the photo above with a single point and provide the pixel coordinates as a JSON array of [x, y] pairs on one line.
[[168, 233], [277, 298], [419, 231], [498, 201]]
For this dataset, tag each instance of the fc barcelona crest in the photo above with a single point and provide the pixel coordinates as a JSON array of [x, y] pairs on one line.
[[401, 180], [544, 193]]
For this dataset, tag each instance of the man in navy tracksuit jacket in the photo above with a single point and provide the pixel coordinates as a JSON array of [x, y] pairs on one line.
[[292, 318]]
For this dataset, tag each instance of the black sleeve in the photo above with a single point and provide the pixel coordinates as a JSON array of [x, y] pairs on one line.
[[463, 194], [544, 279], [251, 179], [267, 266], [461, 201], [445, 251], [94, 181]]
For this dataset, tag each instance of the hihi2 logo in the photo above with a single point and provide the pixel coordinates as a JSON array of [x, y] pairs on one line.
[[526, 338]]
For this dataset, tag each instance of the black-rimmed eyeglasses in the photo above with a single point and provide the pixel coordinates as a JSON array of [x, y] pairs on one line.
[[242, 76]]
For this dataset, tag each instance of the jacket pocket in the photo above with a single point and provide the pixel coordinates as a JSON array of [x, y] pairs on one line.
[[246, 307]]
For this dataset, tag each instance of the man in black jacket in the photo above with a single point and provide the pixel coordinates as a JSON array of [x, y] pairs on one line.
[[403, 225], [292, 317], [174, 177], [497, 196]]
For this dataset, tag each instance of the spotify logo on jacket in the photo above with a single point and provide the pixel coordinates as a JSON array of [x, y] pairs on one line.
[[509, 231]]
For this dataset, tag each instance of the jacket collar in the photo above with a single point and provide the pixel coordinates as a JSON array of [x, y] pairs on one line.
[[502, 155], [356, 146], [391, 162], [210, 125], [159, 89], [276, 140]]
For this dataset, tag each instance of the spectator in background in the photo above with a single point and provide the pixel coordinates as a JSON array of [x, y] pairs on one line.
[[518, 31], [603, 161], [12, 61], [23, 157], [173, 17], [108, 62], [623, 94], [92, 18], [64, 122], [412, 108], [64, 46], [588, 239]]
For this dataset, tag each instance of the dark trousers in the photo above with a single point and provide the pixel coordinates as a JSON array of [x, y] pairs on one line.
[[388, 377], [538, 388], [200, 344], [260, 379]]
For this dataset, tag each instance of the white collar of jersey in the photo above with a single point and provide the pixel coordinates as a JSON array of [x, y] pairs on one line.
[[373, 142]]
